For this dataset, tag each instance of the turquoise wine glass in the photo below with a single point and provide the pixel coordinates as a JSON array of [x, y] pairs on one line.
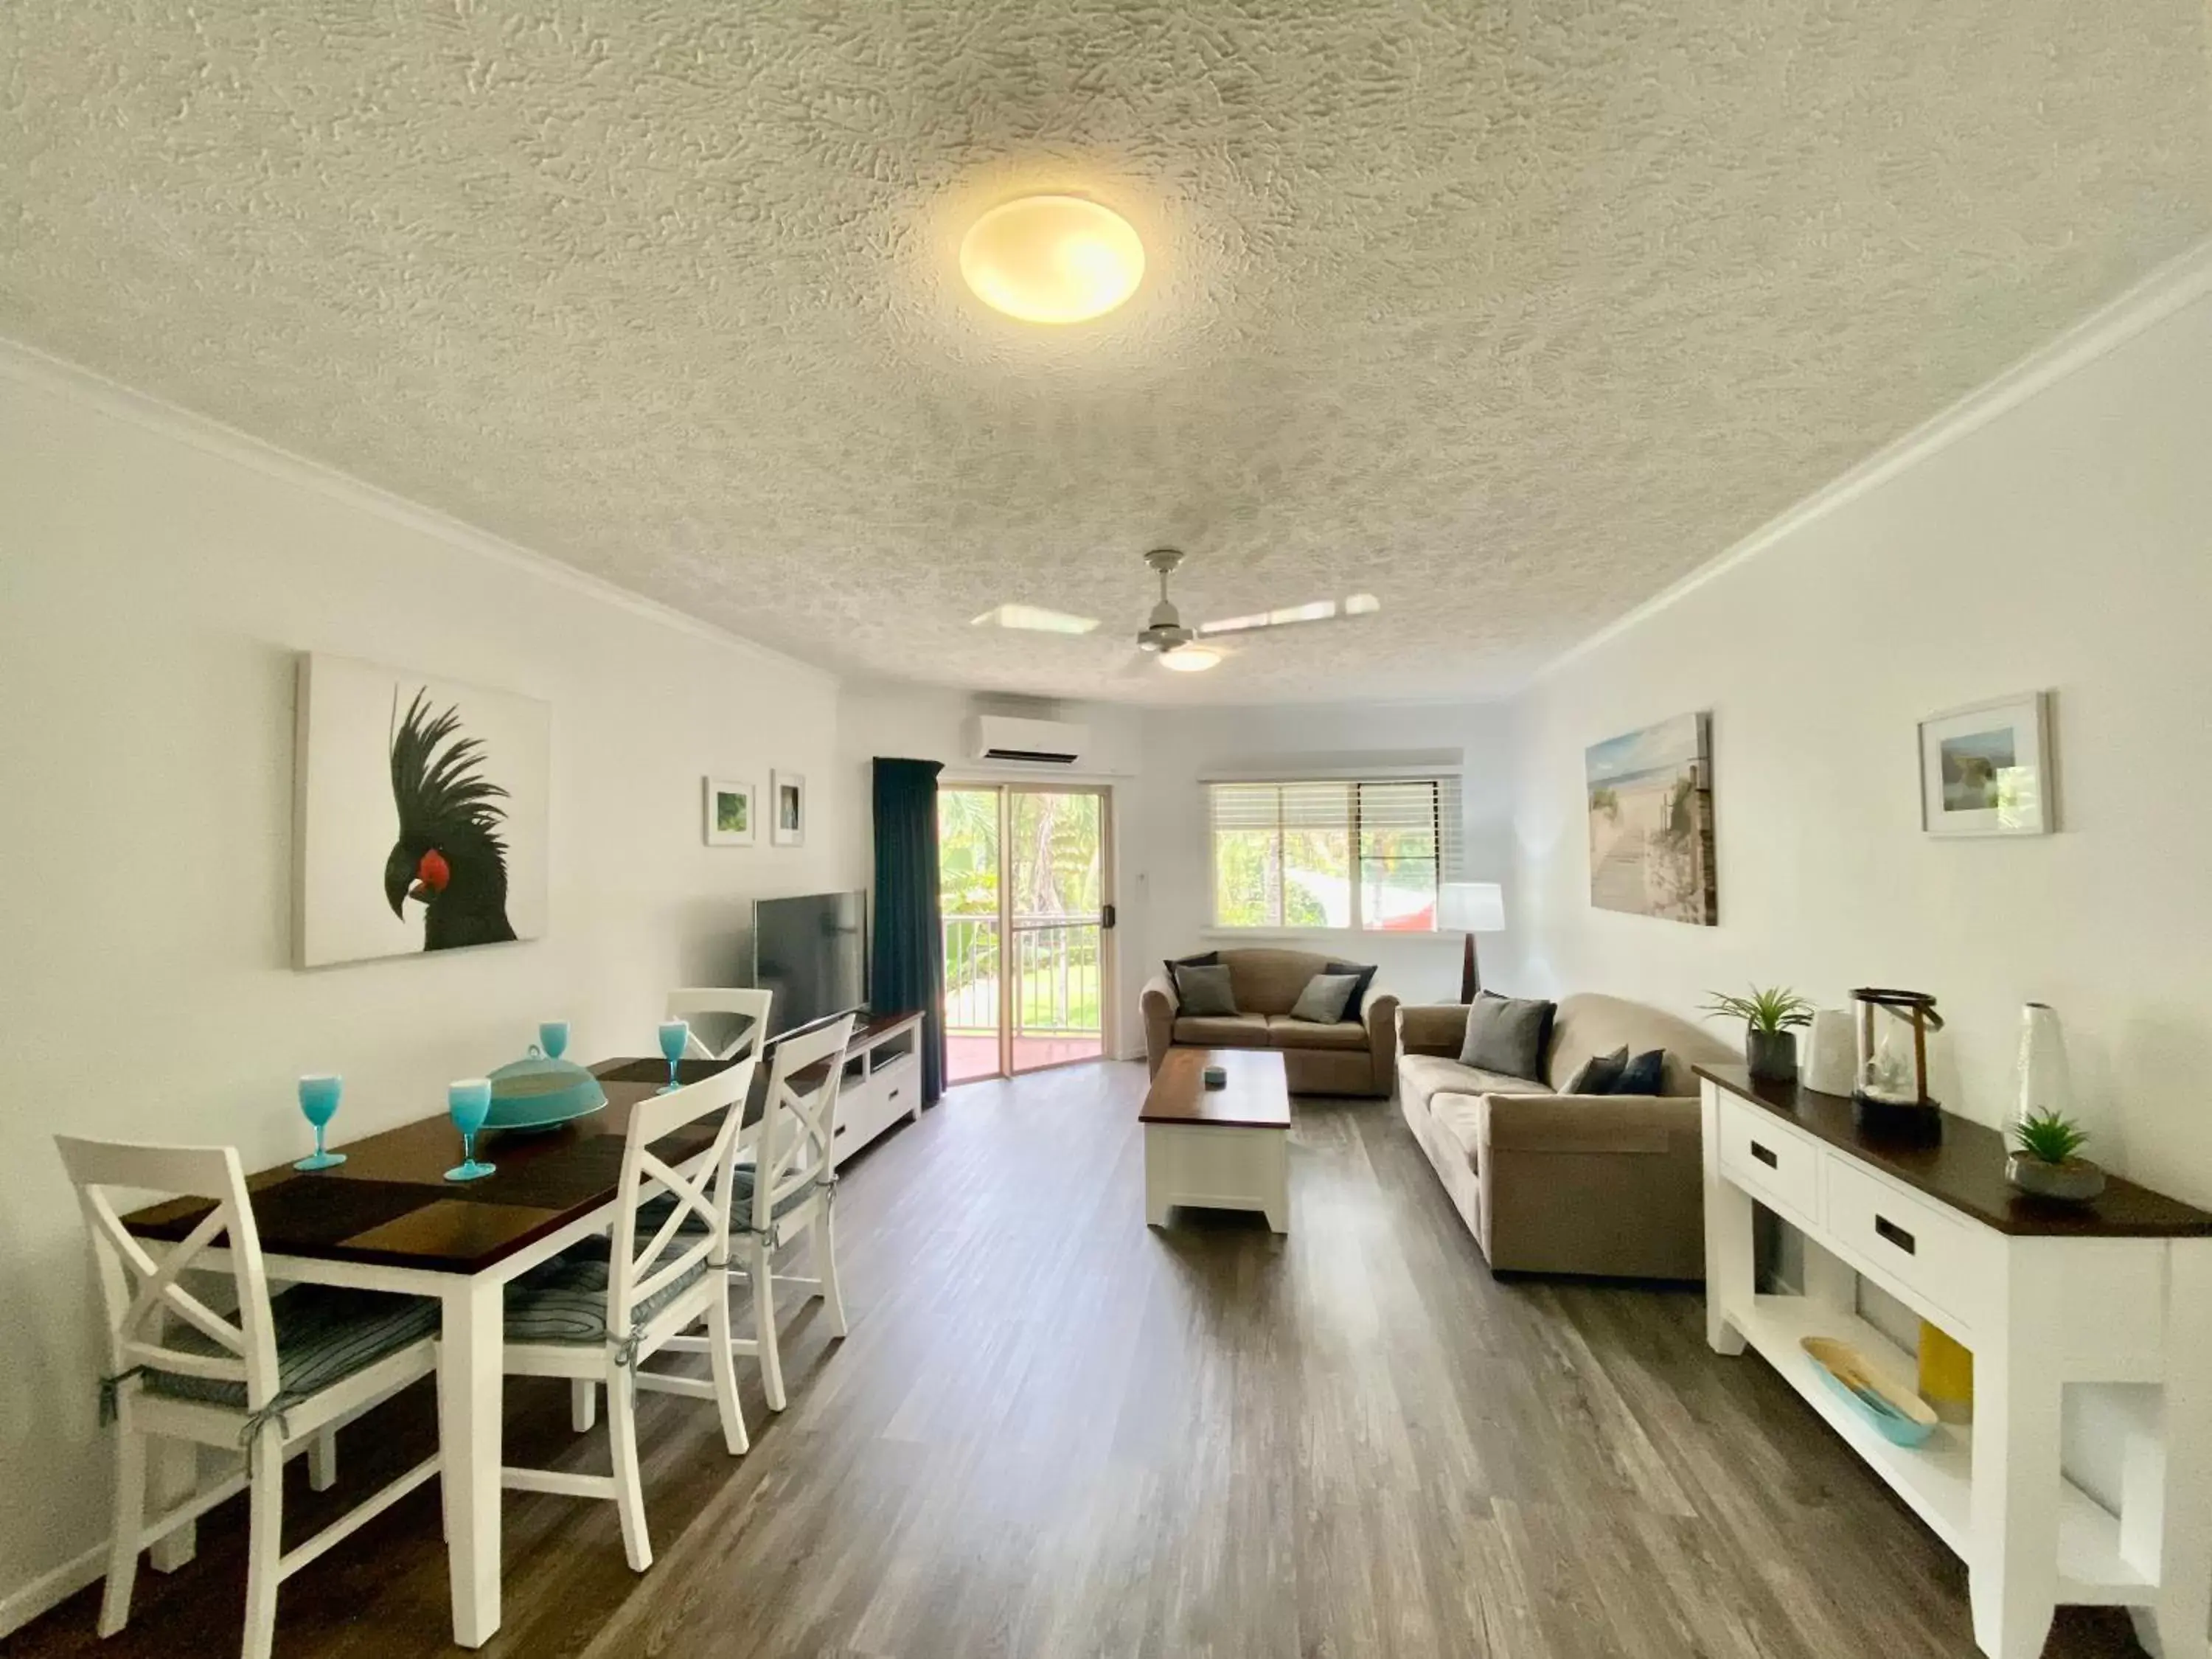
[[319, 1104], [674, 1034], [553, 1038], [468, 1102]]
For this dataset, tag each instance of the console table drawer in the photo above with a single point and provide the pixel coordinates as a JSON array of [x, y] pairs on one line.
[[1761, 1155], [1956, 1266]]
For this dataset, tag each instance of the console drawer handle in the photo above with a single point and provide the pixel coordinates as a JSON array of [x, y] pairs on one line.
[[1885, 1228], [1765, 1156]]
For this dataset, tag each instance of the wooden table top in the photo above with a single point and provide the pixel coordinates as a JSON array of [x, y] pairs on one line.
[[390, 1205], [1965, 1170], [1256, 1096]]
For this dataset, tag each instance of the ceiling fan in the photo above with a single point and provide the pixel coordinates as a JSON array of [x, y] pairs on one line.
[[1188, 650]]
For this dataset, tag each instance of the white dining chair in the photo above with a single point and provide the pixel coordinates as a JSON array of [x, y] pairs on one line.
[[788, 1189], [594, 1315], [751, 1005], [686, 1003], [274, 1377]]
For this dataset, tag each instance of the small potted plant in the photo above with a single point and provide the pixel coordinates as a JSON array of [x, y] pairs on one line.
[[2043, 1160], [1770, 1020]]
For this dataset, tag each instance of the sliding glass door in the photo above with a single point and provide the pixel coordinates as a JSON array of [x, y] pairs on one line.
[[1025, 886]]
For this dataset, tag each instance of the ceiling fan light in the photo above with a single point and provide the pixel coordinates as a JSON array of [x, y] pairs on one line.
[[1190, 659]]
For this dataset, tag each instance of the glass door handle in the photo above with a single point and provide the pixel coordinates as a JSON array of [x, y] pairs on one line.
[[1106, 917]]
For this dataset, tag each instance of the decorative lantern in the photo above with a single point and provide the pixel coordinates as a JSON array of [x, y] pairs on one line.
[[1890, 1096]]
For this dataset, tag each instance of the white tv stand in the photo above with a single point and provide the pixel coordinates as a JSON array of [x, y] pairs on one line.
[[2117, 1291], [883, 1080]]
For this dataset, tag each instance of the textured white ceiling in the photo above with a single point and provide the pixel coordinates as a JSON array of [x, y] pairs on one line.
[[1510, 312]]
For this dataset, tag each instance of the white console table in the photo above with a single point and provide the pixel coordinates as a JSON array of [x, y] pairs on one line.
[[2046, 1296]]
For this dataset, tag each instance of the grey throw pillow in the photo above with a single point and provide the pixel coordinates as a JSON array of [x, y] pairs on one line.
[[1597, 1075], [1364, 975], [1205, 992], [1508, 1034], [1323, 1000]]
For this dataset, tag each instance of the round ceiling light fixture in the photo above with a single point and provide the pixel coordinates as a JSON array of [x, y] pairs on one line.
[[1051, 258], [1190, 658]]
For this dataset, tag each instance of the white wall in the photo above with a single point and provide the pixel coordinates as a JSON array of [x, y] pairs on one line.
[[1182, 746], [2065, 543], [156, 576], [926, 722]]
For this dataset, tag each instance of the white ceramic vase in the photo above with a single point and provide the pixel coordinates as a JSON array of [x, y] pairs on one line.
[[1831, 1052], [2045, 1083]]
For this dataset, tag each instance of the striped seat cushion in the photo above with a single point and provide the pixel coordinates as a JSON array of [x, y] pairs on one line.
[[566, 1299], [324, 1334], [654, 1211]]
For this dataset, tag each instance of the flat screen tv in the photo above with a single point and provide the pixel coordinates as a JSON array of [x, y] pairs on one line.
[[812, 951]]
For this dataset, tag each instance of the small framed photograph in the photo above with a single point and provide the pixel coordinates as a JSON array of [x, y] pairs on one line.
[[787, 802], [1987, 770], [730, 813]]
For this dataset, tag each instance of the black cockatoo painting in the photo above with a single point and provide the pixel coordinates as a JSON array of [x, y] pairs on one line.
[[449, 857]]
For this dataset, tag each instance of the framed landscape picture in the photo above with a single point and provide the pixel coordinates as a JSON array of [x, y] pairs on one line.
[[1985, 770], [787, 802], [731, 808], [1650, 802], [421, 811]]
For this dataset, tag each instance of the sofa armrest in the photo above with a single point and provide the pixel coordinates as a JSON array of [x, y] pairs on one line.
[[1435, 1028], [1379, 1014], [1586, 1123], [1605, 1184], [1157, 1003]]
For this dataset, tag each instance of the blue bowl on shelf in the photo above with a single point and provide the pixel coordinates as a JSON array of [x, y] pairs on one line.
[[1901, 1418], [540, 1092]]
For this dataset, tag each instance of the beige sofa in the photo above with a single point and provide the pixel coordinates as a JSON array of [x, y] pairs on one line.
[[1352, 1058], [1566, 1184]]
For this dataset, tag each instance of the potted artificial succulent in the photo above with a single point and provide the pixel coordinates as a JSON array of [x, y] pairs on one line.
[[1770, 1019], [2043, 1160]]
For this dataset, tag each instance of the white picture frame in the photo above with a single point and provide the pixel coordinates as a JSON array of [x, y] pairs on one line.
[[786, 797], [731, 812], [1985, 768]]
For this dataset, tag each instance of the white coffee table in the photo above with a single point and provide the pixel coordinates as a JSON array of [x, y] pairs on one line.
[[1219, 1149]]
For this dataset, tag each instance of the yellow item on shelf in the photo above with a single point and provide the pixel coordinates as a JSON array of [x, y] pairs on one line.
[[1947, 1374]]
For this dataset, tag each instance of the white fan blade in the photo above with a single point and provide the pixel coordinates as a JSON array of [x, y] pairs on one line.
[[1292, 616]]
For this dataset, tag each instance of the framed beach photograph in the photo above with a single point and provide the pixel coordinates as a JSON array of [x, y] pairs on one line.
[[1986, 770], [1650, 797], [787, 802], [730, 809]]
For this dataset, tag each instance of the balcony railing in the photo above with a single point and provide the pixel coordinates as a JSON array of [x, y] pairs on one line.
[[1055, 964]]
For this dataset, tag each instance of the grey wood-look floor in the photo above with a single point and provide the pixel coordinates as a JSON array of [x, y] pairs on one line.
[[1055, 1433]]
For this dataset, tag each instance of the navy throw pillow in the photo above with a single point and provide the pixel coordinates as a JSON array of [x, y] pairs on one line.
[[1643, 1075]]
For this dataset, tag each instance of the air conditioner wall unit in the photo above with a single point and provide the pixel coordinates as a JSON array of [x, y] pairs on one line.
[[1047, 743]]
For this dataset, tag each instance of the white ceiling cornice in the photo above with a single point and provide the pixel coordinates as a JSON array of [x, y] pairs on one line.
[[29, 366], [2181, 281]]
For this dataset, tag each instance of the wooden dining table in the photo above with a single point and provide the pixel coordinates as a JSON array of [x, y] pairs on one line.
[[387, 1220]]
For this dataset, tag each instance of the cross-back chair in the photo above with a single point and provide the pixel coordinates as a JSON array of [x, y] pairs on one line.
[[595, 1314], [750, 1006], [788, 1189], [274, 1377]]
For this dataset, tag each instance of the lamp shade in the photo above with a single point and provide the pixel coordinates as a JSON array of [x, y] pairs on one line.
[[1471, 907]]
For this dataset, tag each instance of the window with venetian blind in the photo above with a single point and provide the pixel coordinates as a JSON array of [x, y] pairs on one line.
[[1331, 853]]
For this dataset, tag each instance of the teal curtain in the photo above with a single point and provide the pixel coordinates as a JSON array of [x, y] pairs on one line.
[[907, 967]]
